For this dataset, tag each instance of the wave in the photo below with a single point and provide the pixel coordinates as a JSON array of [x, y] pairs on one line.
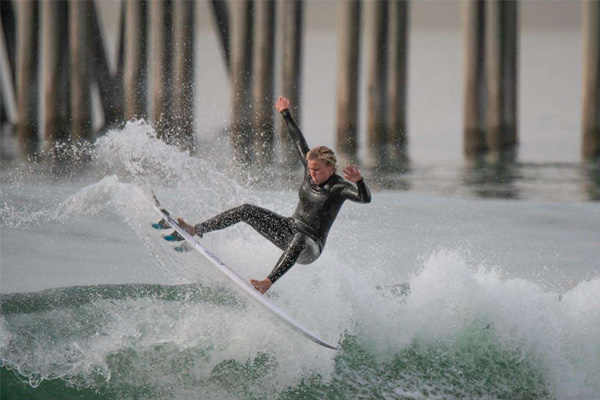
[[160, 341], [452, 328]]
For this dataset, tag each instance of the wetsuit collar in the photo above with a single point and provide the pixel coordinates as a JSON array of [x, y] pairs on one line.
[[327, 182]]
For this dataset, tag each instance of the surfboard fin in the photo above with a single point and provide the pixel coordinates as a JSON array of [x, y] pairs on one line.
[[183, 247], [173, 237], [162, 224]]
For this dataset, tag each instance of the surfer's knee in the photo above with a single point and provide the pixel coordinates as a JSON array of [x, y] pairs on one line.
[[246, 209], [299, 242], [310, 252], [241, 212]]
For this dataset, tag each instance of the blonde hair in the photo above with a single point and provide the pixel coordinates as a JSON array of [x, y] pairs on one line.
[[324, 154]]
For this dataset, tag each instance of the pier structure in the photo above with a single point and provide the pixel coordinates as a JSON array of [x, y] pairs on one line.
[[54, 53], [491, 38], [591, 81]]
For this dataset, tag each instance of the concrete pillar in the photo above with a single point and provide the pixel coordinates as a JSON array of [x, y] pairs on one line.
[[161, 34], [27, 76], [348, 80], [264, 58], [56, 91], [511, 34], [377, 86], [398, 81], [221, 14], [110, 85], [80, 44], [8, 21], [183, 73], [293, 15], [241, 72], [135, 76], [591, 77], [474, 55], [501, 75]]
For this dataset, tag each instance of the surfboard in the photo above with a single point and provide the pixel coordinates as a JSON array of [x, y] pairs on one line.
[[241, 282]]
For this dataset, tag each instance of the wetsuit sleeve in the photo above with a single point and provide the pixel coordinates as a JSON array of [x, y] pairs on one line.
[[296, 134], [359, 194]]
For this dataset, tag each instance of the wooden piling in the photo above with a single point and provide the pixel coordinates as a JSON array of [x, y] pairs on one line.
[[241, 72], [80, 55], [292, 22], [474, 56], [264, 59], [591, 88], [183, 73], [135, 71], [348, 79], [56, 92], [27, 76], [501, 75], [221, 15], [398, 81], [377, 87], [161, 34]]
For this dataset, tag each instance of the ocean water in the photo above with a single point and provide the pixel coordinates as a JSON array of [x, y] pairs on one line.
[[428, 296], [461, 280]]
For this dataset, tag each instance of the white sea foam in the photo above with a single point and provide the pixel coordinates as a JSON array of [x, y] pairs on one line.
[[407, 269]]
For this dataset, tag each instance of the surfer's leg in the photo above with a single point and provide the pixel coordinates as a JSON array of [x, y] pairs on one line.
[[289, 257], [272, 226]]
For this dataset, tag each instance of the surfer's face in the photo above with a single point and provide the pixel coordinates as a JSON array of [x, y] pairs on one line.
[[319, 171]]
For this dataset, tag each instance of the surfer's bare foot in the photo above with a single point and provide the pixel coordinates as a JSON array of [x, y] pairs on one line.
[[261, 286], [191, 229]]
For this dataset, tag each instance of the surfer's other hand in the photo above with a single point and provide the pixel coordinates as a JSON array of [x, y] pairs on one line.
[[261, 286], [282, 103], [191, 229]]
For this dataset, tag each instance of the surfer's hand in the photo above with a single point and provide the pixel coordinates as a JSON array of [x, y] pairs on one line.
[[352, 173], [282, 104], [191, 229], [261, 286]]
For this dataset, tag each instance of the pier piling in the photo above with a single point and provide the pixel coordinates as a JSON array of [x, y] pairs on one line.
[[591, 88], [183, 70], [110, 85], [8, 21], [221, 14], [27, 76], [56, 92], [264, 58], [348, 80], [293, 17], [398, 81], [161, 34], [501, 75], [474, 91], [135, 74], [80, 38], [377, 86], [241, 73]]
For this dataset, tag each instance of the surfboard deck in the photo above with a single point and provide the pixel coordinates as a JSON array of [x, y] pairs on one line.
[[241, 282]]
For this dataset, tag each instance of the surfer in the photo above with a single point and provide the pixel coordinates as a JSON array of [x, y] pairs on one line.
[[302, 236]]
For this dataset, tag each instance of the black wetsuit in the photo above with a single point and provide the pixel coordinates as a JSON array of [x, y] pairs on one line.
[[302, 236]]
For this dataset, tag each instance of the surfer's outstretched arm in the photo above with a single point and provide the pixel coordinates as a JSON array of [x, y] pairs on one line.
[[283, 106], [360, 193]]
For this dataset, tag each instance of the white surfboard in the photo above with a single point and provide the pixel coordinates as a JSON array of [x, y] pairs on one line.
[[241, 282]]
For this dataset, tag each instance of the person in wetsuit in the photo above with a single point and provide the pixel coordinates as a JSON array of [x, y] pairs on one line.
[[302, 236]]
